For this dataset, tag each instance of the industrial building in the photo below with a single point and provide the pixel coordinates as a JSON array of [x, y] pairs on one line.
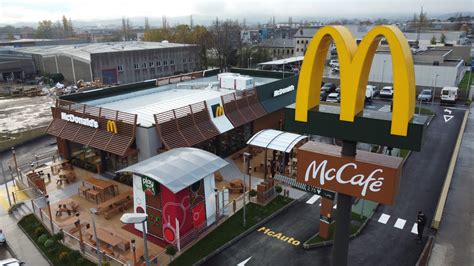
[[15, 65], [115, 63], [436, 67]]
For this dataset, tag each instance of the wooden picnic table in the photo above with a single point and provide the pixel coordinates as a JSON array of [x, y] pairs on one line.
[[106, 236], [69, 202], [109, 203], [101, 185]]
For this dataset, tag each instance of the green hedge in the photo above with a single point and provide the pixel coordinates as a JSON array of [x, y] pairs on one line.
[[56, 252]]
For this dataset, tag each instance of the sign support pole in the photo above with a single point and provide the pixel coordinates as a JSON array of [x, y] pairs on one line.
[[343, 216]]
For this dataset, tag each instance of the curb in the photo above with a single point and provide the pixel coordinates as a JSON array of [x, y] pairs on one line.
[[245, 233], [449, 175], [34, 243], [329, 242]]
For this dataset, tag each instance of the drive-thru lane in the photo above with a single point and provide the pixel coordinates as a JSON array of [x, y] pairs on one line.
[[420, 185]]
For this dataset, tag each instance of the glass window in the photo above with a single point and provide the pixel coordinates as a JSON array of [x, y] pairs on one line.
[[120, 68], [171, 62], [158, 63], [136, 66], [144, 65], [151, 64], [165, 62]]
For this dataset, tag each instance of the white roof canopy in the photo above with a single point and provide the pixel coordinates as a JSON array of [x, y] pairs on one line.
[[178, 168], [275, 140]]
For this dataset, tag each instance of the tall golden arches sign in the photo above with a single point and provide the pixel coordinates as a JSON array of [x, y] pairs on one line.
[[355, 63]]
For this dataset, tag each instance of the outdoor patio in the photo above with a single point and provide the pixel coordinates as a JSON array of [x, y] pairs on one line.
[[110, 198]]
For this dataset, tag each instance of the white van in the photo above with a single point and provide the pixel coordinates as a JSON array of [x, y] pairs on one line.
[[449, 94]]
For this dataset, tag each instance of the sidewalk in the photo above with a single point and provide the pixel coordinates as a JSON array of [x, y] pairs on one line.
[[20, 243], [454, 243]]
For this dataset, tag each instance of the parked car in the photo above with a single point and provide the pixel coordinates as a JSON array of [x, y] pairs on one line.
[[333, 98], [11, 262], [327, 89], [449, 94], [386, 92], [331, 87], [333, 63], [370, 92], [3, 240], [425, 95]]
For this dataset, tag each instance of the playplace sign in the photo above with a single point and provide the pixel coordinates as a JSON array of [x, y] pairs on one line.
[[368, 175]]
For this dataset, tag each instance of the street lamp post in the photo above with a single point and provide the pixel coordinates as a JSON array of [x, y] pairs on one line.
[[78, 225], [383, 70], [6, 184], [434, 90], [246, 158], [137, 218], [134, 250], [94, 212], [16, 163]]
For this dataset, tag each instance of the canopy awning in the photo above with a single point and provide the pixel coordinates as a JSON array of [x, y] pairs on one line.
[[275, 140], [178, 168]]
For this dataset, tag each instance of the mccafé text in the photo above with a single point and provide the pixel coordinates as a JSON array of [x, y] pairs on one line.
[[372, 182]]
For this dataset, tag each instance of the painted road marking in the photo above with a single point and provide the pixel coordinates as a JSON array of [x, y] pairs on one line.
[[279, 236], [335, 206], [447, 111], [384, 218], [313, 199], [244, 262], [414, 229], [447, 118], [400, 223], [385, 108]]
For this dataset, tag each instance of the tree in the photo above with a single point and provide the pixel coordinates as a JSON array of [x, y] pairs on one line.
[[433, 40], [226, 42], [442, 38], [65, 26], [44, 29], [147, 24]]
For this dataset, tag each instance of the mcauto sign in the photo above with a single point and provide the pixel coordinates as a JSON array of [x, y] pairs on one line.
[[355, 62], [368, 175]]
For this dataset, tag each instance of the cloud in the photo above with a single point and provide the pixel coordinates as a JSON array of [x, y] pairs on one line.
[[34, 10]]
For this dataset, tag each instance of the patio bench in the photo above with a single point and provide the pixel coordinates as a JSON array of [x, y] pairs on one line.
[[111, 211]]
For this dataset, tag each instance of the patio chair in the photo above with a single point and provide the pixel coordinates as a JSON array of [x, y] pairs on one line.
[[82, 190]]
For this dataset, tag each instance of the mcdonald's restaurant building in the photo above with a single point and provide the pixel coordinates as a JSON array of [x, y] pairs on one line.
[[109, 129]]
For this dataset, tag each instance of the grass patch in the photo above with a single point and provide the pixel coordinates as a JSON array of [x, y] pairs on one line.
[[56, 252], [403, 153], [423, 111], [356, 223], [463, 85], [230, 229]]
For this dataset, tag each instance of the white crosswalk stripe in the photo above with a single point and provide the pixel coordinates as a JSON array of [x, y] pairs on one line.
[[313, 199], [384, 218], [414, 229], [400, 223]]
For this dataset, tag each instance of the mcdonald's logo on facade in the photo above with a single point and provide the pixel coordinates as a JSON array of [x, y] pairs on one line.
[[355, 63], [218, 110], [112, 126]]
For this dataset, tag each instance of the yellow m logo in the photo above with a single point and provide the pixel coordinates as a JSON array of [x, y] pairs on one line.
[[355, 63], [219, 111], [111, 126]]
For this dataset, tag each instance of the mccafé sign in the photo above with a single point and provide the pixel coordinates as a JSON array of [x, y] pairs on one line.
[[355, 62], [367, 175]]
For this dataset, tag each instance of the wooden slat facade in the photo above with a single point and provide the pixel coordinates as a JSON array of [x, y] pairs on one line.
[[98, 138]]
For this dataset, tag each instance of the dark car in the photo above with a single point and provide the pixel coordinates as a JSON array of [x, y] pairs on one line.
[[331, 87]]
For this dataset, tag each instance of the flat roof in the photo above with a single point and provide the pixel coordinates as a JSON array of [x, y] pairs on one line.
[[85, 50], [146, 103], [434, 52], [283, 61]]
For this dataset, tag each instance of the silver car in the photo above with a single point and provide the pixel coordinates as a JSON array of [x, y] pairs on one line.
[[425, 96]]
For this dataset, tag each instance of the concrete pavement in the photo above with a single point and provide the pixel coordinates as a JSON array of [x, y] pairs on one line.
[[454, 243], [24, 249]]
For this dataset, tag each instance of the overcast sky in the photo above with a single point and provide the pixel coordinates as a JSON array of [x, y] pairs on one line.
[[12, 11]]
